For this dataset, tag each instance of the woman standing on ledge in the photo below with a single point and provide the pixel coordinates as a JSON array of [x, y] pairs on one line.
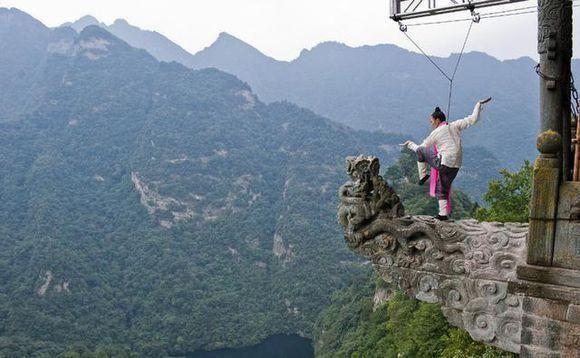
[[442, 151]]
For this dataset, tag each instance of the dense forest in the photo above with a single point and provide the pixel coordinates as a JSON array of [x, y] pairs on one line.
[[149, 209], [154, 208]]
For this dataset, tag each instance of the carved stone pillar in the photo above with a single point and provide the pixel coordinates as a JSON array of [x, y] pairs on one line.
[[554, 142], [544, 200], [555, 49], [550, 283]]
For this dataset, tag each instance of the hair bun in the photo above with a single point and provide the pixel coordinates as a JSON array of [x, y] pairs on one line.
[[438, 114]]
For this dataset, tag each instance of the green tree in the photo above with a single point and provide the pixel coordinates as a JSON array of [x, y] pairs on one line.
[[356, 326], [508, 197], [458, 344]]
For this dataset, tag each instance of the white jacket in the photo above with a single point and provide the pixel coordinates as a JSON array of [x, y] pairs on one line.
[[447, 138]]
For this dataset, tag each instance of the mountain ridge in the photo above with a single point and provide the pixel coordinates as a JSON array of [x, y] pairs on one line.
[[155, 209], [152, 208], [157, 44], [384, 86], [224, 35]]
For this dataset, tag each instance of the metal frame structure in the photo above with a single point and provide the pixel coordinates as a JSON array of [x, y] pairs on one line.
[[406, 9]]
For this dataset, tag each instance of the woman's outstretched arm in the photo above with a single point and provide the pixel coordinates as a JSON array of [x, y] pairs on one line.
[[470, 120]]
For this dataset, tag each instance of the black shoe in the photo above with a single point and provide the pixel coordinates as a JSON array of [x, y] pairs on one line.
[[424, 179], [442, 217]]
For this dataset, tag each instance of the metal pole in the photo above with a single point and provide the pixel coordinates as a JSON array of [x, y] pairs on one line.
[[398, 14], [577, 150]]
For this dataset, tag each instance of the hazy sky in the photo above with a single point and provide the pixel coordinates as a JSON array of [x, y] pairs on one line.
[[282, 28]]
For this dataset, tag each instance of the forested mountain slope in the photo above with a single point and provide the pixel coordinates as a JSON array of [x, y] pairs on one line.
[[152, 207], [158, 209]]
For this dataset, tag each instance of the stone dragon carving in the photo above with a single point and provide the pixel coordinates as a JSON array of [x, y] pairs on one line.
[[463, 265]]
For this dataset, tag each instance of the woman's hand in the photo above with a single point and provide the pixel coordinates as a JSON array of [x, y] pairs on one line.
[[411, 145], [484, 101]]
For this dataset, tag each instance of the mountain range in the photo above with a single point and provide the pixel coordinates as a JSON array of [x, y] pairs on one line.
[[154, 208], [376, 87], [148, 207]]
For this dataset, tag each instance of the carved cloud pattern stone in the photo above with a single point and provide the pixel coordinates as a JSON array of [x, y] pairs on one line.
[[463, 265]]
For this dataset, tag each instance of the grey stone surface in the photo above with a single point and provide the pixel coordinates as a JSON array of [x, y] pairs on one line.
[[545, 308], [573, 314], [549, 275], [567, 243]]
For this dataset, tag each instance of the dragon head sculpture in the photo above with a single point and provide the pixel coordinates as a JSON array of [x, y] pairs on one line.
[[365, 197]]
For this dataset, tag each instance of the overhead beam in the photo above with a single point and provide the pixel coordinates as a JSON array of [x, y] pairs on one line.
[[398, 14]]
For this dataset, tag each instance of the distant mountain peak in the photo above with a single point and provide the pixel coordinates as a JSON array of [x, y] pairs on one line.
[[88, 19], [15, 17], [323, 48], [227, 52], [227, 43], [94, 31], [15, 11], [327, 46], [95, 38], [479, 54], [17, 25], [122, 26], [83, 22], [226, 36], [332, 44], [121, 22]]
